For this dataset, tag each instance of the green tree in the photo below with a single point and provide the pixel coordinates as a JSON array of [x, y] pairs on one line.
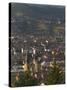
[[25, 79], [55, 75]]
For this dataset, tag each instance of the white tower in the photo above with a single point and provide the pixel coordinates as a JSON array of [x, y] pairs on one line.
[[34, 61]]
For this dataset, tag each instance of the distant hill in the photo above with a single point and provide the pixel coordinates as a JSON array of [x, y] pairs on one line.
[[37, 10], [26, 16]]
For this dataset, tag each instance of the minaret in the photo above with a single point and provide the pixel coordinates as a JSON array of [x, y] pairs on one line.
[[22, 51], [34, 61], [25, 66]]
